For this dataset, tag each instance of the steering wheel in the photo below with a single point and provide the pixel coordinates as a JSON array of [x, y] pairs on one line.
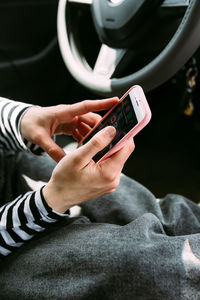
[[113, 21]]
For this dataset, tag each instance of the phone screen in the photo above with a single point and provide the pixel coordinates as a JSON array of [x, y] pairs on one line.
[[123, 118]]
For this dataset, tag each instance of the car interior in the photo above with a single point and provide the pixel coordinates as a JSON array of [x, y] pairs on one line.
[[64, 51]]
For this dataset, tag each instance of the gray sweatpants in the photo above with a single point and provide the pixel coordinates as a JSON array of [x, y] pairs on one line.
[[127, 245]]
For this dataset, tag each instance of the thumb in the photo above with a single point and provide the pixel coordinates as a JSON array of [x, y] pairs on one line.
[[52, 149], [96, 144]]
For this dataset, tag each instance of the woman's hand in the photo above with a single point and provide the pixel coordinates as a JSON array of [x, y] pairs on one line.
[[77, 178], [39, 123]]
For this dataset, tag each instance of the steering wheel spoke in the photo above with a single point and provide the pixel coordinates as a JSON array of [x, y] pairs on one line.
[[87, 2], [107, 61], [175, 4]]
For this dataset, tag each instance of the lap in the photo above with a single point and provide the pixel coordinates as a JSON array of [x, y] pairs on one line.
[[126, 246], [84, 260]]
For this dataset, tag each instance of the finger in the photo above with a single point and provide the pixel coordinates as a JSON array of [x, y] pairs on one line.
[[87, 106], [77, 136], [85, 153], [90, 118], [84, 128], [52, 149], [117, 160], [84, 124]]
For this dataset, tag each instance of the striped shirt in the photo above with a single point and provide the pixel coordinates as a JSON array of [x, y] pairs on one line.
[[22, 218]]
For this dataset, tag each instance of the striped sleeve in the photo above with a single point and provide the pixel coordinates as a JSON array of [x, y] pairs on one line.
[[22, 219], [11, 113]]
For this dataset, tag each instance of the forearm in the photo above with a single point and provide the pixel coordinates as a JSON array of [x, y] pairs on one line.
[[22, 219]]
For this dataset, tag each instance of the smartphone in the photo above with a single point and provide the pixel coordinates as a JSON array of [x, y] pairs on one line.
[[128, 116]]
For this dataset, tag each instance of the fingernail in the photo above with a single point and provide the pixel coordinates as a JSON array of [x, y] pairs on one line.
[[110, 131]]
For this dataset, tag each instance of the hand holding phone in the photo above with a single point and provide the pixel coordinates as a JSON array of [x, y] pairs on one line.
[[130, 115], [77, 179]]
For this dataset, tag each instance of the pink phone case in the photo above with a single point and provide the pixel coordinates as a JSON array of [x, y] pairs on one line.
[[132, 132]]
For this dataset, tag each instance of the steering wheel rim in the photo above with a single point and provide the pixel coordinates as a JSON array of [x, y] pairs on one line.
[[179, 49]]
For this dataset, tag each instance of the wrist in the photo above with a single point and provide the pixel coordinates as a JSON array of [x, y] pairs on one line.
[[24, 119], [52, 198]]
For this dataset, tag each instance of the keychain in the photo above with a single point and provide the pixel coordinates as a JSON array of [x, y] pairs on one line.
[[187, 106], [190, 87]]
